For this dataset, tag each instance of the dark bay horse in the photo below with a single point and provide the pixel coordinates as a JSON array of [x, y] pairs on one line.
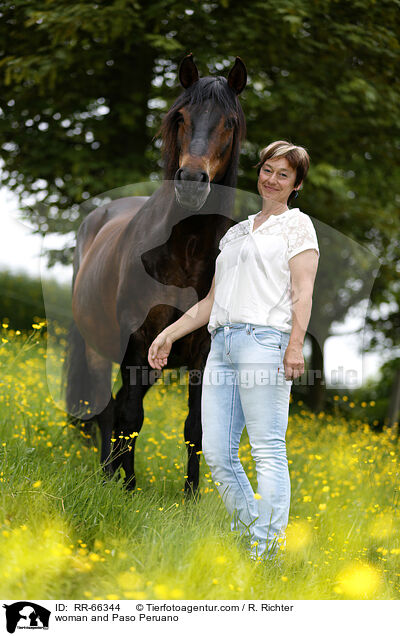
[[141, 262]]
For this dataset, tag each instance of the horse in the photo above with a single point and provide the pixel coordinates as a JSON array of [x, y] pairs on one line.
[[140, 263]]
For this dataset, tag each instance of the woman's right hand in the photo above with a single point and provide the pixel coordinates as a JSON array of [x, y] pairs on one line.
[[159, 351]]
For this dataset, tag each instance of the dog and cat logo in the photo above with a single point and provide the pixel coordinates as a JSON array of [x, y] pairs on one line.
[[26, 615]]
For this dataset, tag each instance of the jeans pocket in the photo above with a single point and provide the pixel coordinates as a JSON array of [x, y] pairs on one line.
[[267, 337]]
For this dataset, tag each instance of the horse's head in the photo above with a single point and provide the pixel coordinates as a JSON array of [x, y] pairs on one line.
[[202, 133]]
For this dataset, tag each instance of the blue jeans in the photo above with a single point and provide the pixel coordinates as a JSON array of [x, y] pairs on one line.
[[244, 385]]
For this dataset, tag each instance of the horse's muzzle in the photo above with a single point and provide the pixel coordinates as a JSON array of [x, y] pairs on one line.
[[191, 190]]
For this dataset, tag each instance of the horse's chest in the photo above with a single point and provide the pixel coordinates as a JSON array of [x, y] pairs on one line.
[[187, 264]]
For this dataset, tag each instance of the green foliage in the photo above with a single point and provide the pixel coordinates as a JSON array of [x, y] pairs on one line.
[[21, 300], [379, 391], [76, 104]]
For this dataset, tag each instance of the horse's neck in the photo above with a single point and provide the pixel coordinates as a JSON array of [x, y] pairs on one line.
[[156, 220]]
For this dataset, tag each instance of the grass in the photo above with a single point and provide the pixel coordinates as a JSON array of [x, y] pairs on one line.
[[66, 533]]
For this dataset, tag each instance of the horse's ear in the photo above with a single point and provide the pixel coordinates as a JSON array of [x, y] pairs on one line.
[[237, 77], [188, 73]]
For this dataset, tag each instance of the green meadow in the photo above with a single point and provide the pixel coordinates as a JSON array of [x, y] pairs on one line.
[[67, 533]]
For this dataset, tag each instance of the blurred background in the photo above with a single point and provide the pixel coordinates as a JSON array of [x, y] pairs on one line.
[[84, 89]]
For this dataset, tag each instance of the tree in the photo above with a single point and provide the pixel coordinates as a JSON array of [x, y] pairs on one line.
[[85, 85]]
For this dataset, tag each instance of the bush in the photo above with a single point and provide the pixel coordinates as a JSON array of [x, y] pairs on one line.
[[21, 300]]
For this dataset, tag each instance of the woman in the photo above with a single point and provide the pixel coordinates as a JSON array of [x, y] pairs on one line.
[[258, 309]]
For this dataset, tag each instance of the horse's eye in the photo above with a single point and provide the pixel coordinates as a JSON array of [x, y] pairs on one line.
[[229, 124]]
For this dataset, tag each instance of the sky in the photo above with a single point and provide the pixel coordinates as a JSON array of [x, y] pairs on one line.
[[20, 250]]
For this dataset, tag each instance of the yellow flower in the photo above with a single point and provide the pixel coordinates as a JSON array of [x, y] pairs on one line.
[[257, 495], [161, 591], [322, 506], [37, 484], [359, 581], [38, 325], [129, 580], [298, 536], [382, 526], [176, 592]]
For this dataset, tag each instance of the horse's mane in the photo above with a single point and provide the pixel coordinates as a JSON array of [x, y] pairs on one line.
[[217, 90]]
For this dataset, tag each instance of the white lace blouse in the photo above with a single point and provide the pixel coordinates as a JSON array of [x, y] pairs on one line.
[[252, 275]]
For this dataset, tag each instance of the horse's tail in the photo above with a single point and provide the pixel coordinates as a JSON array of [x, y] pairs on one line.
[[79, 388]]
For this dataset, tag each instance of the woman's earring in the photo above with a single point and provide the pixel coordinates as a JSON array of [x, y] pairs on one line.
[[296, 194]]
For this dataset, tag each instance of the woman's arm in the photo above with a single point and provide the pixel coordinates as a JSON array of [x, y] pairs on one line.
[[303, 269], [195, 317]]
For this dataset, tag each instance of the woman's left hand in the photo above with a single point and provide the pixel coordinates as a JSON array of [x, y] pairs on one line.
[[293, 362]]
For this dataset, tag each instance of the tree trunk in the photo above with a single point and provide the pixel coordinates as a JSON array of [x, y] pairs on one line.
[[316, 379]]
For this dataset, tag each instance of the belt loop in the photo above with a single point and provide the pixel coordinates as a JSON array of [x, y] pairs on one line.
[[247, 328]]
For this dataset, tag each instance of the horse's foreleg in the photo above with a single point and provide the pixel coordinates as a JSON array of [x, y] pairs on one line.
[[106, 422], [193, 432], [129, 418]]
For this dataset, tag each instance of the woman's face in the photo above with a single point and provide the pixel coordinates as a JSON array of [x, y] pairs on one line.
[[276, 180]]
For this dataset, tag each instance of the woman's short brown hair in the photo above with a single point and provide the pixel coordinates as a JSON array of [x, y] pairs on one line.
[[297, 157]]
